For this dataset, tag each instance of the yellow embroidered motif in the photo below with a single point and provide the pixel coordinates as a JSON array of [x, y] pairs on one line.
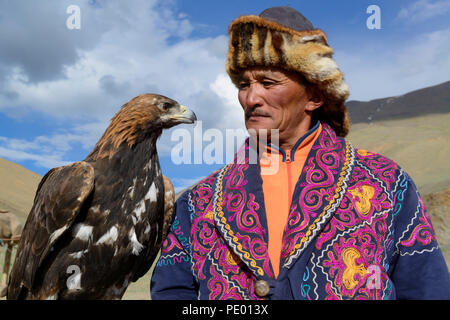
[[363, 205], [209, 215], [231, 258], [349, 256], [363, 152]]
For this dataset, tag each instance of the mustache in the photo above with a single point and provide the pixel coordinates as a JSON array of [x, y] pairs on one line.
[[255, 112]]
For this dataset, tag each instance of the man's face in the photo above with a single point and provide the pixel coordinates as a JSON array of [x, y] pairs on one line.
[[274, 99]]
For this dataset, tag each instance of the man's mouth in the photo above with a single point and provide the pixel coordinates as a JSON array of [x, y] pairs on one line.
[[256, 115]]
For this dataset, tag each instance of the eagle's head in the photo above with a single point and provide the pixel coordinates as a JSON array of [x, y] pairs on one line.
[[143, 116], [152, 112]]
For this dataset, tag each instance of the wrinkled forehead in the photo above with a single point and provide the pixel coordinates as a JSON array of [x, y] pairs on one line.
[[261, 72]]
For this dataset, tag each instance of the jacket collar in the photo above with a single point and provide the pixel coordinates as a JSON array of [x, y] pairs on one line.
[[239, 202], [273, 147]]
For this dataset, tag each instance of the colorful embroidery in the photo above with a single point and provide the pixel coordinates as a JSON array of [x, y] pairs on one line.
[[224, 262], [358, 232], [220, 288], [170, 244], [379, 166], [348, 260], [172, 259], [320, 175], [349, 256], [248, 224], [203, 233], [364, 194], [305, 287], [423, 231], [182, 238], [228, 278]]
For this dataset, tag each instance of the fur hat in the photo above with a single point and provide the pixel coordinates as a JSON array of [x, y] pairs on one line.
[[282, 37]]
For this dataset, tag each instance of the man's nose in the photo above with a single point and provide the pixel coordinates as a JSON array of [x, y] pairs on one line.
[[254, 96]]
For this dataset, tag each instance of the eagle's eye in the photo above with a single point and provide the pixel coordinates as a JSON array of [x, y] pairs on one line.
[[166, 106]]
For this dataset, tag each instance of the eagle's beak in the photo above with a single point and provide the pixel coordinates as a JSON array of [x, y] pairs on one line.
[[186, 116]]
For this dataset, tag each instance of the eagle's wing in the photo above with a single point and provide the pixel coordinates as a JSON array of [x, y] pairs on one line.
[[144, 264], [59, 198], [169, 203]]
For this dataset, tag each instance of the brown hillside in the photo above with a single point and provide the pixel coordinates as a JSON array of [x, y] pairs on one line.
[[419, 145], [430, 100], [438, 204], [17, 188]]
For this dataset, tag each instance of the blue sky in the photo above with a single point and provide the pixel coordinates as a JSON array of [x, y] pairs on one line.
[[59, 87]]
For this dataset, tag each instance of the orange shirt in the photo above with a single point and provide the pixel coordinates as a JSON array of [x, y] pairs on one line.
[[278, 188]]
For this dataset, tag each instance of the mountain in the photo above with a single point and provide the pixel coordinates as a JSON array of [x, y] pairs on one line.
[[430, 100]]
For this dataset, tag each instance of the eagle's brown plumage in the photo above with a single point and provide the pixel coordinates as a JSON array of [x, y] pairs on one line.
[[97, 225]]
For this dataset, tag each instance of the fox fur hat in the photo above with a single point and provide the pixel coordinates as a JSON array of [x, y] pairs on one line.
[[282, 37]]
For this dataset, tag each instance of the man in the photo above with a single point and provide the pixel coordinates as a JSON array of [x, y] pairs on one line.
[[333, 222]]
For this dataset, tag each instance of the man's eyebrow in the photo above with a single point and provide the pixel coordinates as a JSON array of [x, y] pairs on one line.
[[242, 78], [258, 75], [261, 75]]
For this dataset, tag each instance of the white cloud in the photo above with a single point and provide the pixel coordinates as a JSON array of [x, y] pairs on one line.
[[51, 150], [44, 161], [422, 10], [131, 51], [127, 48], [225, 89], [397, 68], [228, 94], [130, 57]]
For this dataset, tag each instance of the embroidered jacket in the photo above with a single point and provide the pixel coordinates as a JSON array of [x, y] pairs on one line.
[[357, 229]]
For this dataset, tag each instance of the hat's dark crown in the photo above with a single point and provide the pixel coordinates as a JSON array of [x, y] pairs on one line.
[[287, 17]]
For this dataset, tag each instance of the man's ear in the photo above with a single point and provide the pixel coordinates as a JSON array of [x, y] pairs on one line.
[[315, 98]]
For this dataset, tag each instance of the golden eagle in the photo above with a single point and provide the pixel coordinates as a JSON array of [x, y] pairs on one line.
[[96, 225]]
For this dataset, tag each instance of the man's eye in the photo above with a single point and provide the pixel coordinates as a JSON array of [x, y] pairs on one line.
[[242, 85], [267, 83]]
